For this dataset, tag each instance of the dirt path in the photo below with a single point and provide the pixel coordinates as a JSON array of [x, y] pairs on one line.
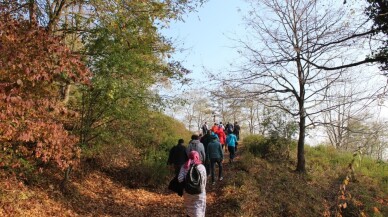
[[167, 203], [98, 194]]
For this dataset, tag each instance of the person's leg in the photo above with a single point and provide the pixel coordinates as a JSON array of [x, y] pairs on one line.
[[207, 167], [219, 169], [177, 169], [231, 153], [212, 165]]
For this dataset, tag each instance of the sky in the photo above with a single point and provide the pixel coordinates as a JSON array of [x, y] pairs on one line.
[[206, 36]]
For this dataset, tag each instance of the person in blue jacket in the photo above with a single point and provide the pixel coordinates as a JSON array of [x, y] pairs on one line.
[[216, 155], [231, 141]]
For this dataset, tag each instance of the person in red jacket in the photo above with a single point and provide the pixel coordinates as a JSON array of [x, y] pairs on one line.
[[222, 136], [215, 128]]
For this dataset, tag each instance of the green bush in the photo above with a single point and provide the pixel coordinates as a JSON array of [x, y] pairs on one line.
[[154, 169], [256, 144], [158, 131], [270, 148]]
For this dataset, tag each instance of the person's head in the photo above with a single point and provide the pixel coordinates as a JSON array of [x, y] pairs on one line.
[[213, 136], [235, 122], [193, 158], [205, 122], [181, 141], [208, 132], [220, 122], [194, 155], [215, 124], [195, 137]]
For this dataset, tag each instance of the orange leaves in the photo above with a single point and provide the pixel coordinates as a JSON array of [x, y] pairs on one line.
[[32, 64], [376, 210]]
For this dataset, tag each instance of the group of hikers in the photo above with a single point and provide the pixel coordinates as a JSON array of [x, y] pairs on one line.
[[194, 163]]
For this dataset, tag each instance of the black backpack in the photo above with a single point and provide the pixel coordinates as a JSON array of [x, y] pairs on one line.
[[193, 180]]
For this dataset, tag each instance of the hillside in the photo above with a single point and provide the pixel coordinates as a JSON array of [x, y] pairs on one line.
[[252, 187]]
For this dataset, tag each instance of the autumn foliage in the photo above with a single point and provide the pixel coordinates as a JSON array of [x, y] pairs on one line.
[[33, 67]]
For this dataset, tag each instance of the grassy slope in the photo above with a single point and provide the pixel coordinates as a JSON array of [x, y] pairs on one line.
[[263, 188]]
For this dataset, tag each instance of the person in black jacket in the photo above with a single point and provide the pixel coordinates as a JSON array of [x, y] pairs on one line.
[[236, 130], [205, 140], [177, 156]]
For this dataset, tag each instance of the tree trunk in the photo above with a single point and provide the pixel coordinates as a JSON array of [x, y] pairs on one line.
[[301, 165], [32, 12], [65, 180], [65, 93]]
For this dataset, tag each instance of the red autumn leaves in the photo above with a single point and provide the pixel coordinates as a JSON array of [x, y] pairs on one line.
[[34, 65]]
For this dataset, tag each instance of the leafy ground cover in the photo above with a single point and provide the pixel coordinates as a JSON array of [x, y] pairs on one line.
[[252, 186]]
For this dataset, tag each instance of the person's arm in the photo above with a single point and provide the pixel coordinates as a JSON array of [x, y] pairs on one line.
[[182, 174], [207, 151], [221, 151], [169, 161]]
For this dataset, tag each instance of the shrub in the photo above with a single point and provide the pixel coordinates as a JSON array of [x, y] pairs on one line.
[[154, 170], [270, 148], [256, 144]]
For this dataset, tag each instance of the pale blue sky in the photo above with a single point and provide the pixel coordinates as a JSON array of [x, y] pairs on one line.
[[206, 36]]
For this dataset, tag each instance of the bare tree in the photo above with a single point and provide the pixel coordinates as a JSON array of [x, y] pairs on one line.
[[196, 109], [289, 39], [349, 105]]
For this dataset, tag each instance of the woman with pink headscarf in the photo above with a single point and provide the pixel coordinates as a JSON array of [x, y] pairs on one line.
[[195, 203]]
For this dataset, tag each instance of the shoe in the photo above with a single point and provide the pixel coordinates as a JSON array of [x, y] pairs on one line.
[[221, 178]]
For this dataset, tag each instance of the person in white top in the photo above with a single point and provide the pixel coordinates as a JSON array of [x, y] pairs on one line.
[[195, 204]]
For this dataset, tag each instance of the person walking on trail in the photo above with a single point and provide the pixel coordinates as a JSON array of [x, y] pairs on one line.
[[196, 145], [214, 134], [177, 156], [205, 140], [215, 128], [216, 155], [205, 128], [222, 137], [231, 141], [236, 130], [229, 128], [195, 204], [221, 125]]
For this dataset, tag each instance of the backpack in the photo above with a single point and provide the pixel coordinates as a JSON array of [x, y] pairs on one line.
[[193, 180]]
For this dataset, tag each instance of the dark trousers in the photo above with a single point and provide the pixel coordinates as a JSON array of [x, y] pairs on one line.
[[232, 151], [214, 161], [177, 169], [207, 167]]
